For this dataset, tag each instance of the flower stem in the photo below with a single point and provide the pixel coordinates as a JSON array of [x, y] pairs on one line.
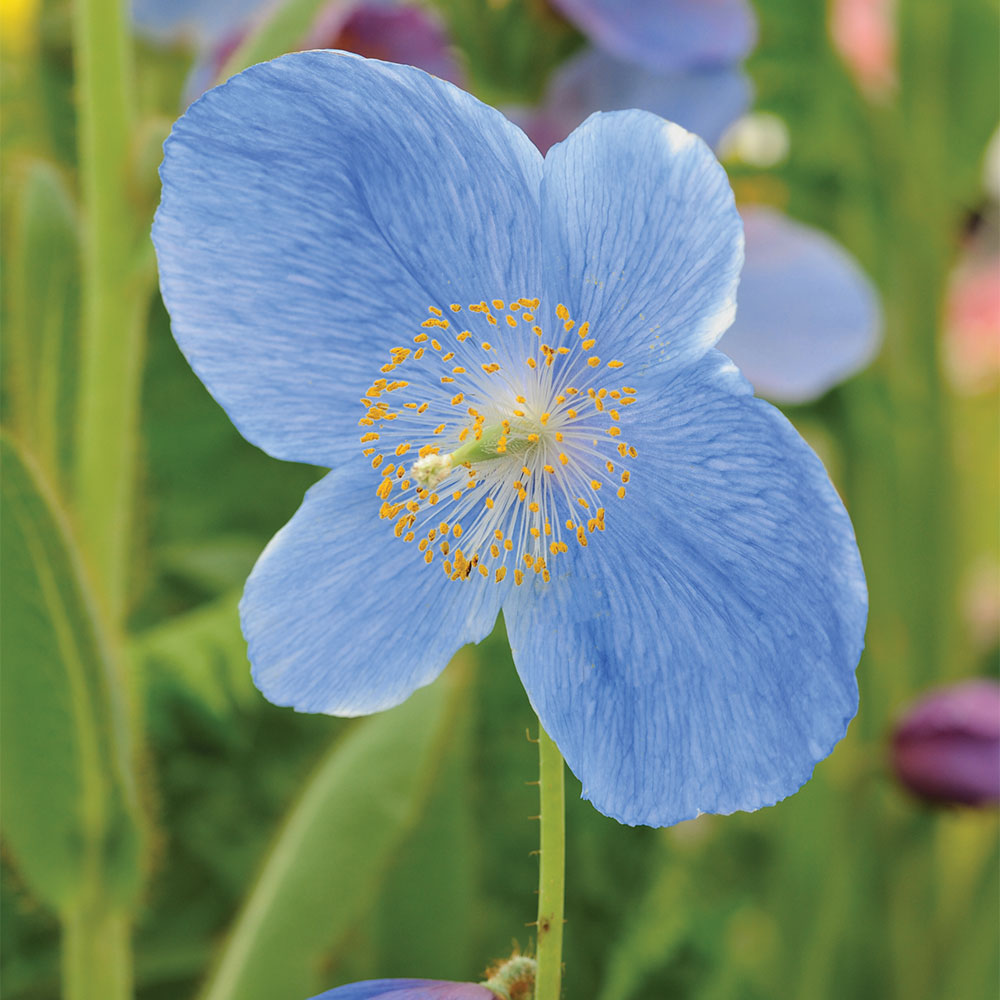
[[551, 869]]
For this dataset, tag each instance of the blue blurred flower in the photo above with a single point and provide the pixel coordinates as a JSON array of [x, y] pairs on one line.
[[408, 989], [507, 363], [202, 23], [808, 317]]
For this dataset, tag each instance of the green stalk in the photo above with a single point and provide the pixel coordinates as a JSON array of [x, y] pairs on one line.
[[96, 952], [96, 947], [114, 293], [551, 868]]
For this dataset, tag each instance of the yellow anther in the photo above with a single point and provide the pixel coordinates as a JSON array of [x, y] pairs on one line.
[[571, 414], [581, 536], [500, 573], [594, 361], [536, 330], [402, 449], [595, 484], [455, 307], [458, 370], [564, 458], [447, 378], [438, 429], [511, 320], [457, 531], [583, 503], [376, 461], [499, 304], [530, 362], [435, 310], [549, 469], [614, 431], [544, 418], [518, 577], [508, 545], [616, 364], [621, 492], [483, 570], [428, 556], [568, 325], [495, 550], [562, 312], [626, 475], [436, 345], [533, 507], [610, 466], [456, 400], [370, 436], [384, 489], [588, 344], [457, 495], [489, 503], [614, 414]]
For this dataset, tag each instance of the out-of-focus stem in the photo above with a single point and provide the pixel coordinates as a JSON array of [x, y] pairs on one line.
[[114, 290]]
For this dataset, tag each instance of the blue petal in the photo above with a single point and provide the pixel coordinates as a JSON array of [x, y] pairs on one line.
[[667, 35], [807, 317], [313, 208], [342, 617], [408, 989], [642, 238], [705, 102], [699, 654]]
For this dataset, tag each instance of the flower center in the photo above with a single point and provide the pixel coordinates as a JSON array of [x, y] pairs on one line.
[[497, 447]]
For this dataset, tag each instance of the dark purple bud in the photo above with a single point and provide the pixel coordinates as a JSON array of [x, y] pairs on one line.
[[946, 747]]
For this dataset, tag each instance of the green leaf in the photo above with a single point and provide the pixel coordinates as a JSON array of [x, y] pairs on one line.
[[203, 652], [426, 917], [66, 791], [322, 873], [41, 314]]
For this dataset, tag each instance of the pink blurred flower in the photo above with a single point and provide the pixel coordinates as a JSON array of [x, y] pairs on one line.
[[864, 34], [972, 325]]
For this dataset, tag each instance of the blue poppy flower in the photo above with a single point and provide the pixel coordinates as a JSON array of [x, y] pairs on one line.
[[807, 315], [506, 361]]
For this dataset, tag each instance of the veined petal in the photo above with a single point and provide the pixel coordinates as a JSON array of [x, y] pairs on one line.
[[642, 238], [807, 317], [342, 617], [408, 989], [298, 243], [667, 35], [699, 655], [705, 101]]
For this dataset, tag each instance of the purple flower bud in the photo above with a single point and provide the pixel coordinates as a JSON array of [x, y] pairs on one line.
[[946, 747]]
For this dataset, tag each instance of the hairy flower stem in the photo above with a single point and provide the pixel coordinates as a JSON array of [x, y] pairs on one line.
[[551, 868]]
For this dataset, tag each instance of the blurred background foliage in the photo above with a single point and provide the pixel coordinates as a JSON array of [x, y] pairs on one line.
[[150, 794]]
